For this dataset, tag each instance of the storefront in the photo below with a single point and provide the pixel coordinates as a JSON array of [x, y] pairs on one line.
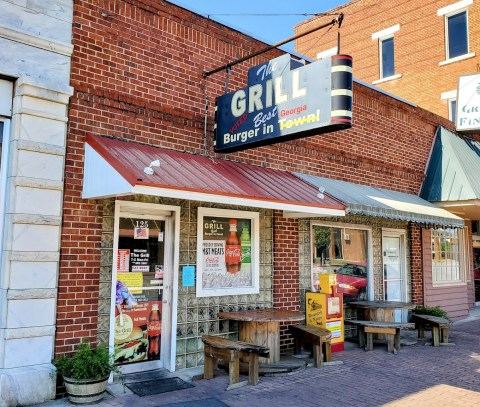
[[151, 199], [185, 245]]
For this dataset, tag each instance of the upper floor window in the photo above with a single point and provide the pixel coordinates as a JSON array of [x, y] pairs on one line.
[[456, 29], [448, 256], [450, 98], [457, 35], [386, 52], [452, 110], [387, 58]]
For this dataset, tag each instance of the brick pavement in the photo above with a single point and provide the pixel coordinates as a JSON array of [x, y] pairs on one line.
[[419, 374]]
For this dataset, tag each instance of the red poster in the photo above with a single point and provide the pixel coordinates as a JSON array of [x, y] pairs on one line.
[[133, 341]]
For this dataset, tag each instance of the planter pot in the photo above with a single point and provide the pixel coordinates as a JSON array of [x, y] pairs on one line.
[[85, 391]]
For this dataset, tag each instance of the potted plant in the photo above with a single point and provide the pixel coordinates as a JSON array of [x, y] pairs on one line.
[[85, 372]]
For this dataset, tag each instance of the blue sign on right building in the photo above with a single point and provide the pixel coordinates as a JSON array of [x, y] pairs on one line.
[[285, 100]]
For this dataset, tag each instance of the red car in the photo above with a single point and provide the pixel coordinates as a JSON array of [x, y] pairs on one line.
[[352, 281]]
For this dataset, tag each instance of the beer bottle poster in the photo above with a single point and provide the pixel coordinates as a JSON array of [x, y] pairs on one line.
[[226, 262]]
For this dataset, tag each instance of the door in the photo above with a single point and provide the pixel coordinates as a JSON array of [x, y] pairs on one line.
[[143, 267], [394, 285]]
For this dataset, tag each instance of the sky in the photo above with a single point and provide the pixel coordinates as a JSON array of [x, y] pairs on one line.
[[271, 21]]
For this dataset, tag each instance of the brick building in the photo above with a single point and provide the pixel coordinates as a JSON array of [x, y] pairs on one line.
[[415, 50], [146, 199]]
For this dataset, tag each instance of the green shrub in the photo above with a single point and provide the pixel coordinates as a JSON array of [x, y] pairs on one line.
[[85, 363], [434, 311]]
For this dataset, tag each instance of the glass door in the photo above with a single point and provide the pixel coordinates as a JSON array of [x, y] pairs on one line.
[[394, 271], [139, 290]]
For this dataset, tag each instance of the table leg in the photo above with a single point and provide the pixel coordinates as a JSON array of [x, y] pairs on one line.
[[264, 334]]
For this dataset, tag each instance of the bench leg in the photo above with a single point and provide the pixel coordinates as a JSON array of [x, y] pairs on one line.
[[328, 351], [390, 343], [234, 370], [421, 330], [253, 369], [435, 336], [297, 343], [317, 355], [209, 363], [369, 336], [361, 337], [397, 339], [444, 338]]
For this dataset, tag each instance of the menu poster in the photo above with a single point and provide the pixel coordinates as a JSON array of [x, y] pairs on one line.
[[224, 252]]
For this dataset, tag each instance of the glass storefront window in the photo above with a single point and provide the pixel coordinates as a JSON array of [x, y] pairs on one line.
[[344, 252]]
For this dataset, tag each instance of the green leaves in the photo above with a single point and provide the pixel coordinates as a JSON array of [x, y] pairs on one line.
[[85, 363]]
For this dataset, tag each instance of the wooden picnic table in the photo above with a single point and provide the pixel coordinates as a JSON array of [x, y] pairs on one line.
[[382, 311], [262, 327]]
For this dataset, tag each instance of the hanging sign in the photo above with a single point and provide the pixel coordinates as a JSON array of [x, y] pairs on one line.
[[285, 100], [468, 103]]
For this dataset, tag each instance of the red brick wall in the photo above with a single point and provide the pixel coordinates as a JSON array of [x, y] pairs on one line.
[[137, 74], [416, 263], [286, 283], [419, 46]]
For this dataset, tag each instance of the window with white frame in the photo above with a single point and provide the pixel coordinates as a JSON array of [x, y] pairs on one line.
[[448, 256], [450, 98], [456, 29], [452, 109], [387, 57], [386, 51], [6, 98]]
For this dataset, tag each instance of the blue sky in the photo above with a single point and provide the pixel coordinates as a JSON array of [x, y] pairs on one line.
[[271, 29]]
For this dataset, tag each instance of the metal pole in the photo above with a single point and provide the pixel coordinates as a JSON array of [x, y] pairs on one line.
[[337, 20]]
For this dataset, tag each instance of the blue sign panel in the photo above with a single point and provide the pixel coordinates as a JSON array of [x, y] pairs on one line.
[[285, 100]]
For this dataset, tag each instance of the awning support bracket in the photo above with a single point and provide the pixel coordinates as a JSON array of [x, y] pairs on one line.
[[338, 20]]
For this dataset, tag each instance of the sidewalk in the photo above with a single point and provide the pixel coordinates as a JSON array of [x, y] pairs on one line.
[[419, 374]]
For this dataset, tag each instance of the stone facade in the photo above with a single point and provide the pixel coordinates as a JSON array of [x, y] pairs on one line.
[[35, 50]]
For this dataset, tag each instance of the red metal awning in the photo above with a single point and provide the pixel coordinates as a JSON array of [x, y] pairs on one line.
[[116, 167]]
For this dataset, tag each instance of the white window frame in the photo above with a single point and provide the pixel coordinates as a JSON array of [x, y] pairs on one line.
[[341, 225], [3, 179], [462, 258], [6, 102], [381, 36], [446, 13], [450, 97]]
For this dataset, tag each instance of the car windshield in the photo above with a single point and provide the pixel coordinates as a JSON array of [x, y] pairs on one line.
[[353, 270]]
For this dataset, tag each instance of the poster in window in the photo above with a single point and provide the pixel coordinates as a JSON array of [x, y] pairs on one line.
[[137, 335], [227, 252]]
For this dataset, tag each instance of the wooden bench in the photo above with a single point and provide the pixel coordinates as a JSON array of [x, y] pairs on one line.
[[391, 330], [216, 348], [438, 325], [318, 337]]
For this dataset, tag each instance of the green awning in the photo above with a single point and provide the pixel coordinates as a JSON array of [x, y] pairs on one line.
[[384, 203], [453, 172]]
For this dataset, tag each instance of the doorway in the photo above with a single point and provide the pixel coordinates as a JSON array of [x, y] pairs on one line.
[[144, 272], [394, 276]]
